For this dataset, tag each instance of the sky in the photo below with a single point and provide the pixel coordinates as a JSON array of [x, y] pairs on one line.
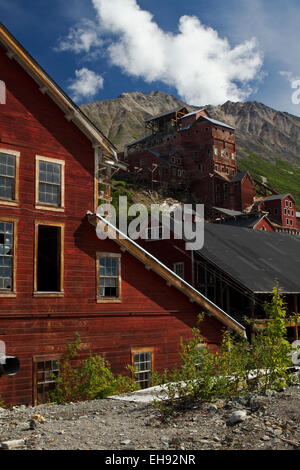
[[203, 52]]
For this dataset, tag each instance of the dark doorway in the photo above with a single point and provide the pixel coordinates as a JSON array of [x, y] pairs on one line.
[[49, 259]]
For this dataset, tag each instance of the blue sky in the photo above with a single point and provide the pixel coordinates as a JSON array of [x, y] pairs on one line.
[[203, 52]]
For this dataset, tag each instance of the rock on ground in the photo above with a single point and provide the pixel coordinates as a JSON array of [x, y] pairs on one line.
[[261, 422]]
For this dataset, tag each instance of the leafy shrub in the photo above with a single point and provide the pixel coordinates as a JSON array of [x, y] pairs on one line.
[[238, 367], [120, 184], [90, 379]]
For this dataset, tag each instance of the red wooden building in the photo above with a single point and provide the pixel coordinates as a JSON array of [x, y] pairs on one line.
[[56, 277], [191, 150], [237, 268]]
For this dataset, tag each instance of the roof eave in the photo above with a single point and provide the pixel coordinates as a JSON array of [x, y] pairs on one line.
[[170, 277], [71, 110]]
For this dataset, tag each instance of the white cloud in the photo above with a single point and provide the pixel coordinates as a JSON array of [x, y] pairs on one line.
[[82, 38], [86, 84], [201, 65]]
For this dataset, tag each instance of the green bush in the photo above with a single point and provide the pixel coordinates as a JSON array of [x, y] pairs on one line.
[[90, 379], [239, 366], [121, 184]]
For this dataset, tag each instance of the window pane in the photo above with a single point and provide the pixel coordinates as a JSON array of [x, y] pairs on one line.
[[50, 183], [6, 255], [142, 369], [109, 277], [7, 186]]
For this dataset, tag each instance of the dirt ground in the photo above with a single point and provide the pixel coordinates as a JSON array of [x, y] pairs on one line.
[[268, 422]]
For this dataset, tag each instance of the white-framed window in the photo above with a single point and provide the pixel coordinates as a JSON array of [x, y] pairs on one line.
[[232, 156], [9, 176], [108, 277], [179, 269], [50, 183], [287, 221], [216, 151], [142, 361], [287, 203], [7, 256]]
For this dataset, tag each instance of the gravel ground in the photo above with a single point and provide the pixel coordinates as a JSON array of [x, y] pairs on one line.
[[269, 422]]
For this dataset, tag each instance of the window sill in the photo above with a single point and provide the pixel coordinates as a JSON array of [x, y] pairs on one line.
[[49, 208], [48, 294], [4, 202], [8, 295], [108, 301]]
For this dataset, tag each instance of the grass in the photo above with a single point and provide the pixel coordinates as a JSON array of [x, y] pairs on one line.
[[281, 176]]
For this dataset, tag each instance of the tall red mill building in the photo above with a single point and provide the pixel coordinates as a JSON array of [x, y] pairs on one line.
[[192, 150], [56, 277]]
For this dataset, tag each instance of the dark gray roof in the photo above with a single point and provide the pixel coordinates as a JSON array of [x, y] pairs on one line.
[[254, 258], [240, 176], [229, 212], [247, 222], [217, 123], [277, 196]]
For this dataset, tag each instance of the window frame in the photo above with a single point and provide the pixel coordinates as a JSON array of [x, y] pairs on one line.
[[105, 300], [60, 225], [44, 205], [150, 350], [15, 201], [12, 293], [35, 361]]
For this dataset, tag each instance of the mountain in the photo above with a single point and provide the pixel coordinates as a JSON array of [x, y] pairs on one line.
[[122, 119], [268, 141]]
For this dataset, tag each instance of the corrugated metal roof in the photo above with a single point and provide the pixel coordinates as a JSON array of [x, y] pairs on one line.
[[277, 196], [240, 176], [217, 123], [254, 258], [247, 222], [228, 211], [194, 112]]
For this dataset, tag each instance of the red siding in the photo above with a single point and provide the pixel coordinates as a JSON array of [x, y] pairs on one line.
[[150, 314]]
